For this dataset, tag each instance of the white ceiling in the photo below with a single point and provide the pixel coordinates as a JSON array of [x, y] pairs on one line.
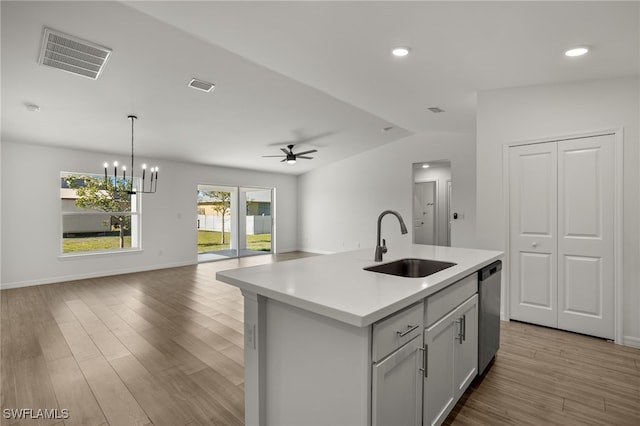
[[316, 74]]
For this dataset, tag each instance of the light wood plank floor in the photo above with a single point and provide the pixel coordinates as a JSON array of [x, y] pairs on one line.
[[543, 376], [165, 348]]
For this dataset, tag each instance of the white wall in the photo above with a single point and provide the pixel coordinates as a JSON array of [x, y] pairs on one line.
[[31, 196], [520, 114], [338, 205]]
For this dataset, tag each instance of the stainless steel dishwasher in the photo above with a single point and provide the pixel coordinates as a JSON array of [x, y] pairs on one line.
[[488, 314]]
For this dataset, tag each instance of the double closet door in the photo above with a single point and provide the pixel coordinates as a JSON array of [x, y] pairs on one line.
[[561, 218]]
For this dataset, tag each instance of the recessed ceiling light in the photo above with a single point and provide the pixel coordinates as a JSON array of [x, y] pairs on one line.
[[577, 51], [400, 51], [425, 166], [32, 107]]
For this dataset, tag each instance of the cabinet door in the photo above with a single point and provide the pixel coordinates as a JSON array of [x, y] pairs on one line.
[[439, 387], [466, 347], [397, 387]]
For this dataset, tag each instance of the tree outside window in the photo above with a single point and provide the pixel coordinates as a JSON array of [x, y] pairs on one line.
[[221, 204], [102, 216]]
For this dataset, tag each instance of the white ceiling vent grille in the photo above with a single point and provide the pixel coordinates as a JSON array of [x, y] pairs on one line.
[[201, 85], [71, 54]]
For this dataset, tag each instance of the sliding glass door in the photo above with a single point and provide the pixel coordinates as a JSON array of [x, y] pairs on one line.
[[233, 221], [217, 238], [257, 220]]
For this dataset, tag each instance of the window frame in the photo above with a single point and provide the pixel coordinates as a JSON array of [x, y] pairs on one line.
[[134, 213]]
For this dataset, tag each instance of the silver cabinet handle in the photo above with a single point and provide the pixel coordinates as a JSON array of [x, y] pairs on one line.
[[409, 329], [461, 337], [425, 360], [464, 328]]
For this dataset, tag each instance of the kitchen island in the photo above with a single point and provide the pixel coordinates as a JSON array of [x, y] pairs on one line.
[[319, 330]]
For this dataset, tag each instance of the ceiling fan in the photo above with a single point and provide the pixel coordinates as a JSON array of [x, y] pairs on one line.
[[290, 157]]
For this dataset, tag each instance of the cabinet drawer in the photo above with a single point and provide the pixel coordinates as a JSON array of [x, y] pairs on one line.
[[396, 330], [444, 301]]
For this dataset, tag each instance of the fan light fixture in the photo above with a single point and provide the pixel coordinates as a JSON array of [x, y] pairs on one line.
[[153, 184], [290, 157]]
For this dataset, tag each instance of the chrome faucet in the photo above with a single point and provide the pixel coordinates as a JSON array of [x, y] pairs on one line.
[[381, 249]]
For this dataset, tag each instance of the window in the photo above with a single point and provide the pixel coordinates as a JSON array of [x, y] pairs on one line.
[[99, 214]]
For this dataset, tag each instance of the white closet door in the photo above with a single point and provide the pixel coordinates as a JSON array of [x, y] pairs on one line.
[[533, 233], [561, 213], [585, 235]]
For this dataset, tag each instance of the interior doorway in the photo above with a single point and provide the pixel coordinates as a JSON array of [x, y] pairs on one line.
[[432, 203], [233, 222], [424, 212]]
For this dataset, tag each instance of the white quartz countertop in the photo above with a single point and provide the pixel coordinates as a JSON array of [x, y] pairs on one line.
[[338, 287]]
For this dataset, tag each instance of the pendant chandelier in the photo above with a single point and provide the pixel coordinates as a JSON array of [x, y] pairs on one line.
[[153, 175]]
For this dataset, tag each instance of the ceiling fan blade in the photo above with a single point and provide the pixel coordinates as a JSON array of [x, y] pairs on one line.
[[301, 140], [283, 160], [285, 151], [306, 158], [307, 152], [274, 155]]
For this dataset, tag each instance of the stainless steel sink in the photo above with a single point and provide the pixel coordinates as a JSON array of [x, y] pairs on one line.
[[411, 268]]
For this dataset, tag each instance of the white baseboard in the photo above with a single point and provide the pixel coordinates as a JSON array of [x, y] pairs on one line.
[[289, 250], [631, 341], [316, 251], [285, 250], [63, 278]]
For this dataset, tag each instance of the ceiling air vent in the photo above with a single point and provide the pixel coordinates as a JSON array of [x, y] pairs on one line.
[[71, 54], [435, 110], [201, 85]]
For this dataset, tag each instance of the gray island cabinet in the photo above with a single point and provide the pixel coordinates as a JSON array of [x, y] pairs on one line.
[[329, 343]]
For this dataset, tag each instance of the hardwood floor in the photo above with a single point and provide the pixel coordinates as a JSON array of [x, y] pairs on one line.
[[165, 348], [543, 376]]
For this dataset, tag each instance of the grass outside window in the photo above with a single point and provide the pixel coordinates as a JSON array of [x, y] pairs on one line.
[[210, 241], [207, 241], [91, 244]]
